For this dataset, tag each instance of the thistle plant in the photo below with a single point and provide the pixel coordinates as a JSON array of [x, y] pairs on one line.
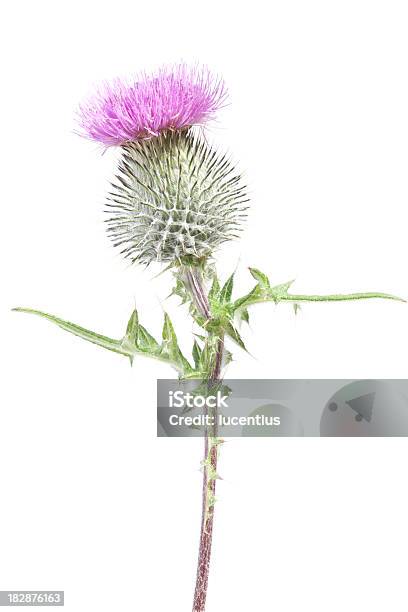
[[174, 201]]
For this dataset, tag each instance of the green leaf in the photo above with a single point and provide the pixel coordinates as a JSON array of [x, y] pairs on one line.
[[132, 329], [263, 292], [90, 336], [147, 343], [260, 277], [234, 335], [214, 291], [197, 355], [208, 354], [250, 298], [170, 347], [244, 314], [226, 291], [228, 357], [137, 340], [279, 292], [180, 291], [341, 297], [200, 337]]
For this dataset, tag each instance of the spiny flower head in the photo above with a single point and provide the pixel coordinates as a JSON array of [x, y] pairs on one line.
[[175, 197], [173, 98]]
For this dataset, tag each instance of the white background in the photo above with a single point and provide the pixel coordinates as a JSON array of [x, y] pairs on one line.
[[91, 502]]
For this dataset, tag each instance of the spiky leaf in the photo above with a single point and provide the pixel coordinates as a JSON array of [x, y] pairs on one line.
[[197, 355], [132, 329], [136, 341], [214, 291], [263, 292], [108, 343], [234, 335], [250, 298], [228, 357], [245, 315], [226, 291], [146, 342], [260, 277], [170, 347], [279, 292]]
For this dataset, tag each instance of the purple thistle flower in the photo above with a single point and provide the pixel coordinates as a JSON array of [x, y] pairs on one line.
[[173, 98]]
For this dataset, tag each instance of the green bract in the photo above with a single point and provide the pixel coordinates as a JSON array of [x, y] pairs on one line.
[[174, 197]]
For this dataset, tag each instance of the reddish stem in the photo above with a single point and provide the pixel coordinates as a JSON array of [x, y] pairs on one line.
[[207, 523], [211, 443]]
